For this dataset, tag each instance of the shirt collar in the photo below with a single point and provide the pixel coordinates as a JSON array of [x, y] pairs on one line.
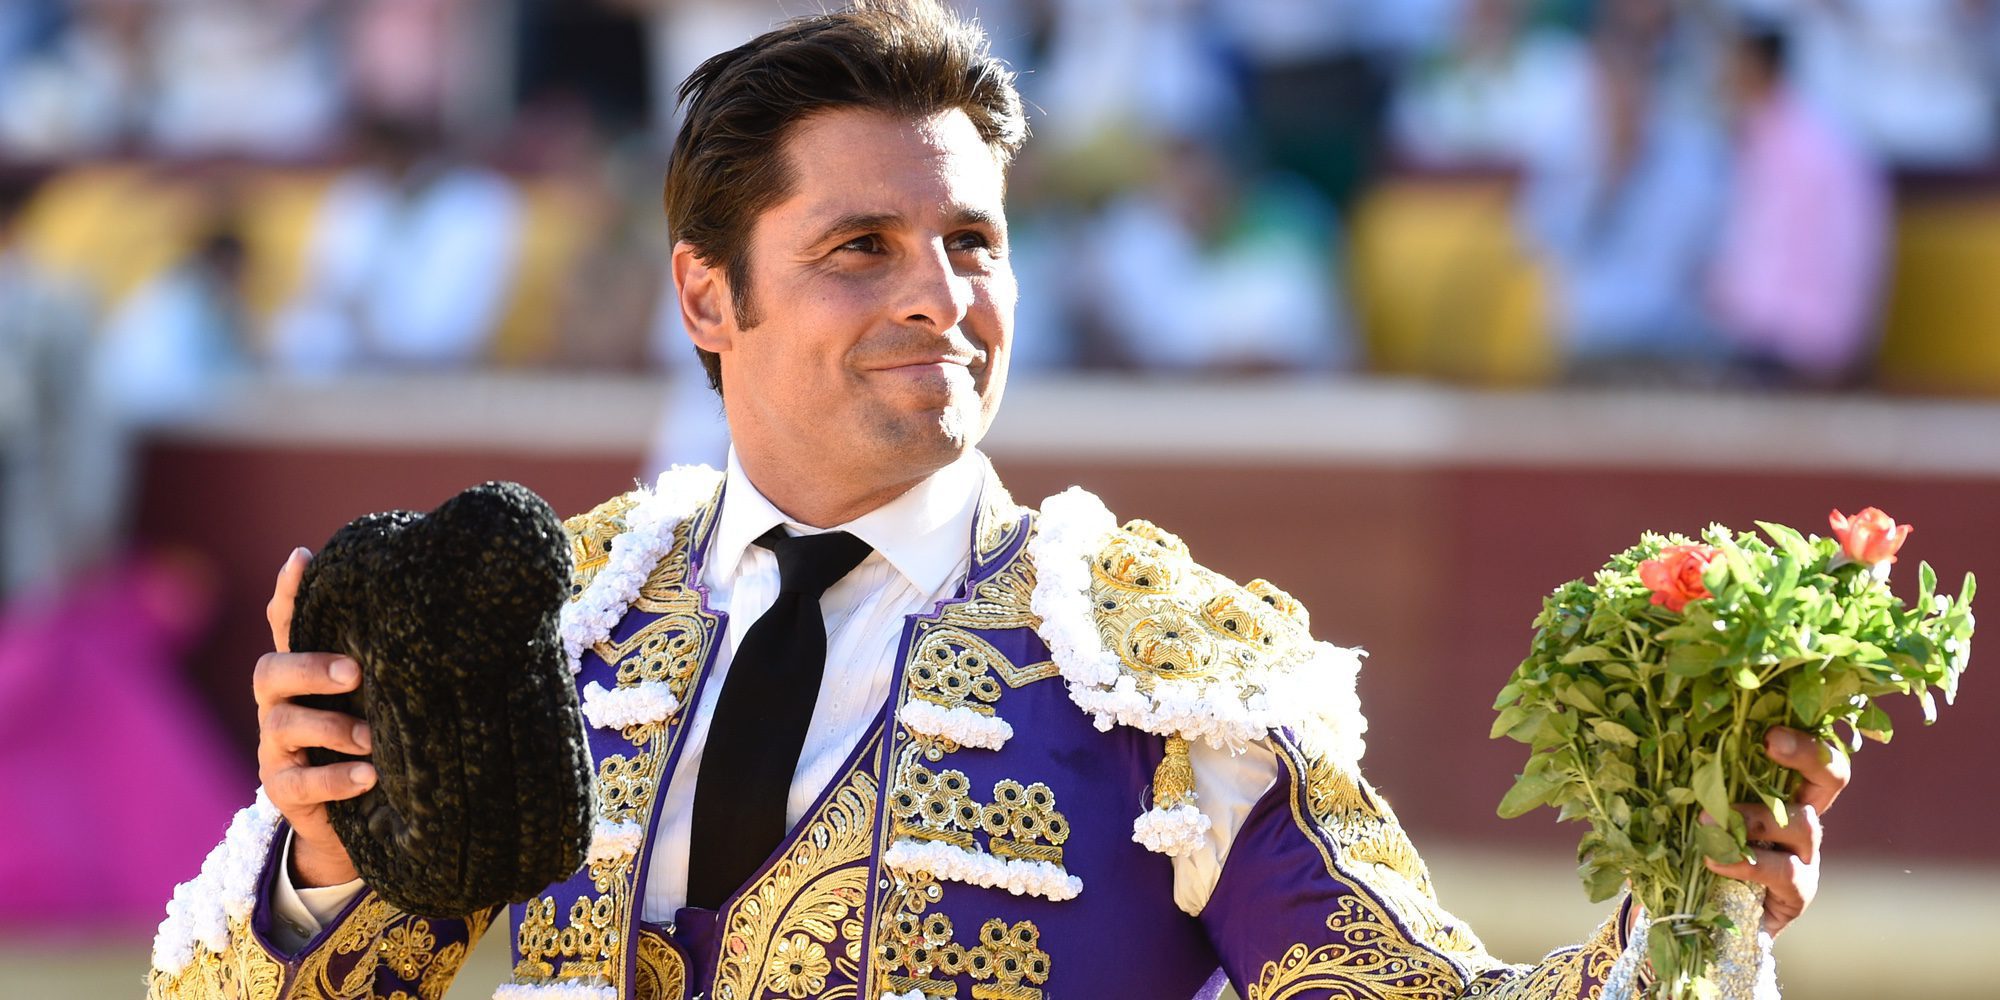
[[925, 533]]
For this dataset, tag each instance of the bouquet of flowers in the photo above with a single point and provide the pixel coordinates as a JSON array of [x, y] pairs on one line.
[[1649, 689]]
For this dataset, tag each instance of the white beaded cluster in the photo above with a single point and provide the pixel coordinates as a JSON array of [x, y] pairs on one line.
[[641, 703], [226, 889], [1176, 831], [611, 840], [959, 724], [555, 991], [956, 864], [648, 534]]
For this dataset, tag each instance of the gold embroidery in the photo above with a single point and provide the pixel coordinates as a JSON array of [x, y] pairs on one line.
[[590, 536], [244, 972], [914, 950], [1369, 961], [587, 945], [998, 521], [952, 667], [407, 948], [355, 936], [999, 602], [660, 973], [806, 910], [1173, 779], [1370, 847], [1020, 822], [1168, 618], [1362, 845]]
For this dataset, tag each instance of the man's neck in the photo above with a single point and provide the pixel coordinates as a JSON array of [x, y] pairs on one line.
[[820, 501]]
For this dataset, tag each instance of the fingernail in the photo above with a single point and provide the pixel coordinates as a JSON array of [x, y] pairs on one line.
[[362, 775], [1705, 819], [344, 670], [1782, 741], [301, 553], [362, 738]]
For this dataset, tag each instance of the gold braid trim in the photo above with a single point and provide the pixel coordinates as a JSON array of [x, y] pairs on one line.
[[1173, 780]]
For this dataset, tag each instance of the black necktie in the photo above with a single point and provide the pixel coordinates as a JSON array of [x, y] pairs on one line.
[[761, 717]]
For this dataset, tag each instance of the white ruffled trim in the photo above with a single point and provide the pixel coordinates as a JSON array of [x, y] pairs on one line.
[[912, 995], [616, 708], [554, 991], [226, 889], [1311, 693], [648, 534], [1175, 832], [613, 840], [959, 724], [1016, 875]]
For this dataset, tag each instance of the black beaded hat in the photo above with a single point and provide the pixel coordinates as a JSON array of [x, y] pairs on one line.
[[484, 792]]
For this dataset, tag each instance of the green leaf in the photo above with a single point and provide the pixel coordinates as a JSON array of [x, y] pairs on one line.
[[1874, 723], [1807, 690], [1510, 717], [1692, 660], [1716, 842], [1711, 791], [1529, 792], [1602, 881], [1612, 732], [1788, 539], [1585, 654], [1926, 584], [1779, 811]]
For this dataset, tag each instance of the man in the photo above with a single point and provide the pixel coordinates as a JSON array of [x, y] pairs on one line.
[[1009, 716]]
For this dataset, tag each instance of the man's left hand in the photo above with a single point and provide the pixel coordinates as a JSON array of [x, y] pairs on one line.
[[1785, 859]]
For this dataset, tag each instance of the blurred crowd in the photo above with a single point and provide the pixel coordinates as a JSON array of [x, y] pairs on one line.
[[1696, 190], [1708, 192]]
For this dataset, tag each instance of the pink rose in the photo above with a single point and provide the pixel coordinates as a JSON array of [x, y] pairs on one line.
[[1869, 537], [1675, 577]]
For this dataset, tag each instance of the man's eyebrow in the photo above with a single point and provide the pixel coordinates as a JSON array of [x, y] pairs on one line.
[[854, 222]]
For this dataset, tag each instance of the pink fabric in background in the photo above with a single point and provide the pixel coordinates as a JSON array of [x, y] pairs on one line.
[[116, 781]]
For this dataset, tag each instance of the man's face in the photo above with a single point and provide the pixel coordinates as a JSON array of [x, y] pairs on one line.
[[883, 301]]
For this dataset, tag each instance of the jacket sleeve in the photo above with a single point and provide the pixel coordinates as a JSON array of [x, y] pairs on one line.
[[1323, 895], [216, 942]]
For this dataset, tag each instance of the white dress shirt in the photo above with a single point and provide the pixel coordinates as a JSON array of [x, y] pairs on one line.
[[922, 550]]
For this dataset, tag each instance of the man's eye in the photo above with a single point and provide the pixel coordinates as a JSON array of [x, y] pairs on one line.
[[972, 241], [864, 244]]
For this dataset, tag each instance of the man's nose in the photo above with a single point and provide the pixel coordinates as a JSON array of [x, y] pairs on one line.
[[935, 294]]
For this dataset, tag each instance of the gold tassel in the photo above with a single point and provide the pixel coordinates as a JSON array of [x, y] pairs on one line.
[[1173, 780]]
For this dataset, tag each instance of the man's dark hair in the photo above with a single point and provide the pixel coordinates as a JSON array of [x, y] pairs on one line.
[[912, 58]]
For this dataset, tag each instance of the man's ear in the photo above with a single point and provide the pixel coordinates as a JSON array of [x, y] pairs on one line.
[[706, 311]]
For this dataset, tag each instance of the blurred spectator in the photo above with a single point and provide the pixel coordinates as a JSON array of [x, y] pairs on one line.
[[88, 90], [1500, 93], [1317, 86], [412, 254], [1795, 283], [593, 52], [1622, 210], [1906, 77], [53, 518], [1208, 268], [1143, 68], [243, 76], [169, 345]]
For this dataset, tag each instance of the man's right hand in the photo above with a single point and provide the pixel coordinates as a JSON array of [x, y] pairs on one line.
[[285, 729]]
